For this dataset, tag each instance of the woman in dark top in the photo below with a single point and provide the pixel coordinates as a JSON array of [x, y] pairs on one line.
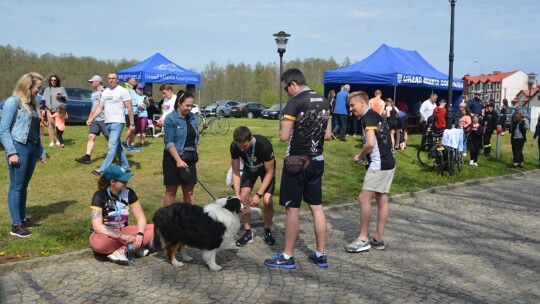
[[181, 136], [53, 96], [518, 137], [21, 137]]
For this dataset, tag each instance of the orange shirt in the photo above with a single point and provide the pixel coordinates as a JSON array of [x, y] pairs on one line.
[[59, 121]]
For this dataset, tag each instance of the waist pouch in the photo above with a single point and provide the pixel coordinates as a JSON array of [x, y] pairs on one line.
[[295, 163], [190, 155]]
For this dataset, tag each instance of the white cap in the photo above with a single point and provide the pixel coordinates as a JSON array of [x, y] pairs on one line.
[[95, 78]]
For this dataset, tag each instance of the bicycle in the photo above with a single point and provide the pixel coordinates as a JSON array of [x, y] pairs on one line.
[[218, 124], [432, 154]]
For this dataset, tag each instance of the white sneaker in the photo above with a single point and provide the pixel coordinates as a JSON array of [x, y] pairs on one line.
[[476, 164], [51, 144], [464, 154], [58, 143], [471, 163], [119, 256], [141, 252]]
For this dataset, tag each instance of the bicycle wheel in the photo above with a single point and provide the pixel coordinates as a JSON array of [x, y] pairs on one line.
[[220, 125], [202, 123], [459, 160], [424, 157], [450, 161], [440, 161]]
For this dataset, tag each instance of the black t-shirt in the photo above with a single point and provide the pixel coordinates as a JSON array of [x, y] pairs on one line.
[[114, 208], [381, 157], [191, 134], [255, 157], [310, 112]]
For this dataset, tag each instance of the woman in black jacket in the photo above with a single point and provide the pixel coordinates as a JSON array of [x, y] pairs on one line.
[[518, 137]]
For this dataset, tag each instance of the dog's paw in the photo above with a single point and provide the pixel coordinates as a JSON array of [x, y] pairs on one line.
[[187, 258], [215, 267], [175, 263]]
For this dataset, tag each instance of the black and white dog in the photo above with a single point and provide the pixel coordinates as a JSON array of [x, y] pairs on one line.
[[209, 228]]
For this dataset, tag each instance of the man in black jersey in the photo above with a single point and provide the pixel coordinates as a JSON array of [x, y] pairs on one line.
[[306, 124], [381, 165], [257, 155]]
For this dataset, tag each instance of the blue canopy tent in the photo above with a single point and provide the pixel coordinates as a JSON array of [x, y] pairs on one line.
[[393, 67], [158, 69]]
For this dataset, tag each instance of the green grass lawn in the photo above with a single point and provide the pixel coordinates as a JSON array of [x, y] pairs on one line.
[[61, 190]]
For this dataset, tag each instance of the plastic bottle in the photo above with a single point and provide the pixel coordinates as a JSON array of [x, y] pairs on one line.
[[130, 253]]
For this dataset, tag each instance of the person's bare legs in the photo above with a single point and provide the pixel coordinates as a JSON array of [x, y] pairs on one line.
[[268, 212], [246, 211], [170, 194], [319, 225], [187, 191], [52, 128], [292, 226], [90, 144], [382, 214], [365, 213]]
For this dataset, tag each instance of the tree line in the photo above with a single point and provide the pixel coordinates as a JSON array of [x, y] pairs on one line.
[[234, 81]]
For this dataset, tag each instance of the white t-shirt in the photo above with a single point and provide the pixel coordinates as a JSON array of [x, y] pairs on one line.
[[114, 104], [168, 106]]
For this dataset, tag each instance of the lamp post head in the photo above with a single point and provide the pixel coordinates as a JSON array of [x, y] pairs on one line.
[[281, 40], [532, 78]]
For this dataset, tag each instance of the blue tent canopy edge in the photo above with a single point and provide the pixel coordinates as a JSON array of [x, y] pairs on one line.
[[158, 69], [392, 66]]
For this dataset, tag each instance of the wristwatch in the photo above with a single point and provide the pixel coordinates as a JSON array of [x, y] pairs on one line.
[[259, 195], [140, 233]]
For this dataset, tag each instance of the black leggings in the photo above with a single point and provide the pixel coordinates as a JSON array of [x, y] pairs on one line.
[[59, 136], [517, 149], [474, 146]]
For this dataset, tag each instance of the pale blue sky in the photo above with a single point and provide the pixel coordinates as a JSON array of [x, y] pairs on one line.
[[501, 34]]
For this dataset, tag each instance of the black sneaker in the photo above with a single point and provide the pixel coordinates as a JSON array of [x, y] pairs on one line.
[[280, 262], [245, 239], [319, 261], [20, 231], [27, 223], [377, 245], [268, 238], [97, 172], [85, 159]]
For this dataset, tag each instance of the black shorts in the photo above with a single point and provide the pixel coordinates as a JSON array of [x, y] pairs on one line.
[[135, 121], [306, 184], [249, 178], [97, 127], [172, 175]]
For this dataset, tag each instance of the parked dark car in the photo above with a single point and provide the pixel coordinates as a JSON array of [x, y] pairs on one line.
[[272, 112], [248, 109], [78, 104], [221, 106], [511, 111]]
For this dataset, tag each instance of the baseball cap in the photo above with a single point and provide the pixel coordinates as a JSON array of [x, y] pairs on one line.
[[479, 93], [95, 78], [116, 173], [140, 86]]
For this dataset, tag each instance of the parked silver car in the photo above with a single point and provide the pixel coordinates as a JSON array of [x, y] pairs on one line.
[[221, 106]]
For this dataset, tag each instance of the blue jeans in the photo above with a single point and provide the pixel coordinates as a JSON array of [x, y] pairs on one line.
[[115, 147], [19, 178]]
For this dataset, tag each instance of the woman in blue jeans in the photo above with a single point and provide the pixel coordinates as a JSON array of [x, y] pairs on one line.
[[21, 137]]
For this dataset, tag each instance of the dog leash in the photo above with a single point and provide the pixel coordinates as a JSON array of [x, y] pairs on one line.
[[202, 185]]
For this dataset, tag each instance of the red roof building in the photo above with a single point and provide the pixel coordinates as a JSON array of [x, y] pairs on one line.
[[497, 85]]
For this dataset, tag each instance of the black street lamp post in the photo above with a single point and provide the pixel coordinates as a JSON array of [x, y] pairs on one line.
[[281, 40], [449, 113]]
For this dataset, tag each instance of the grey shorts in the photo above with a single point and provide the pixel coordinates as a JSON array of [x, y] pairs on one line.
[[97, 127], [378, 181]]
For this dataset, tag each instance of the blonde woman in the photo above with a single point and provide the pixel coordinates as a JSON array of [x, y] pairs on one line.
[[21, 137]]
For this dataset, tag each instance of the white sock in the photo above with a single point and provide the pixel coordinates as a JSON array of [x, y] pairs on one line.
[[286, 256], [319, 254]]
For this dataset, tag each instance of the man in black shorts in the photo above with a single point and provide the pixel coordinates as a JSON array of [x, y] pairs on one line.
[[257, 155], [98, 125], [306, 125]]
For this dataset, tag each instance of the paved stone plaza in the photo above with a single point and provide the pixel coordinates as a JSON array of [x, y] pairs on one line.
[[471, 242]]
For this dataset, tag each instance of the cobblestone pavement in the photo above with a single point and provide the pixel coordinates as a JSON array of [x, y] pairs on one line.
[[471, 242]]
